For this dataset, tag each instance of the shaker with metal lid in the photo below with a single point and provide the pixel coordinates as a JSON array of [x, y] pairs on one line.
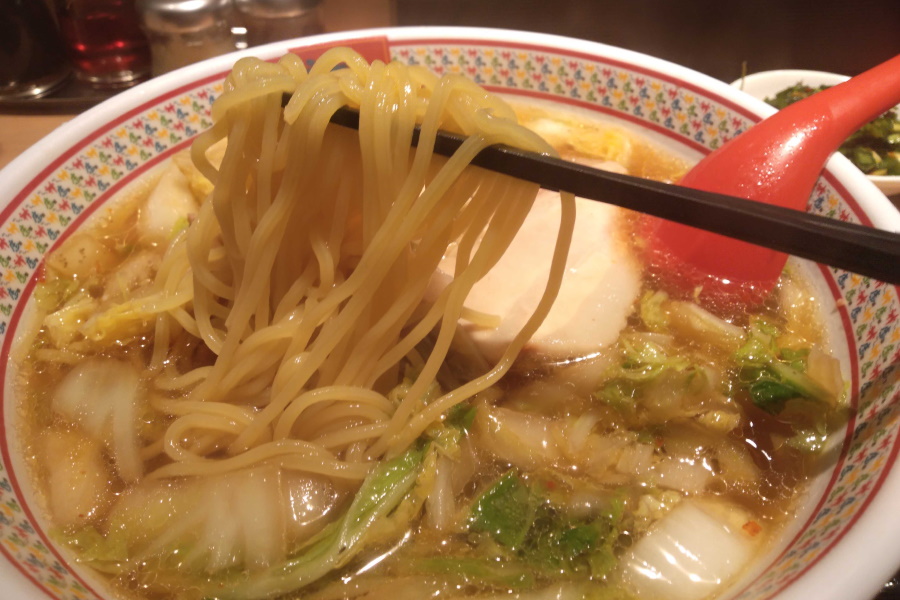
[[272, 20], [182, 32]]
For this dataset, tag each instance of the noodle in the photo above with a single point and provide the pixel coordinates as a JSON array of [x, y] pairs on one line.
[[308, 269]]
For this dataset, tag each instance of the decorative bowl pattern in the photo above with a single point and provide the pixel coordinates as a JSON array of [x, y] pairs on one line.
[[46, 196]]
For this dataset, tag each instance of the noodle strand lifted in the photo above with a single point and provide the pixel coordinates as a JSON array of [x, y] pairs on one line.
[[311, 264]]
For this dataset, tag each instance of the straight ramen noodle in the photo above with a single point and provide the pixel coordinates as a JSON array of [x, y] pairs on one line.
[[303, 362]]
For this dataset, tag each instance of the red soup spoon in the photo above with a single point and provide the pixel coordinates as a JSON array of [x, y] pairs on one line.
[[777, 161]]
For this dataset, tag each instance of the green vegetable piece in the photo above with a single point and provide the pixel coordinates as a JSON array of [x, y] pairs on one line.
[[462, 416], [809, 423], [602, 561], [447, 434], [800, 381], [796, 358], [103, 552], [577, 540], [795, 93], [773, 375], [620, 394], [534, 535], [643, 361], [754, 353], [646, 360], [771, 395], [605, 592], [53, 293], [653, 314], [484, 571], [506, 511], [866, 147], [560, 544]]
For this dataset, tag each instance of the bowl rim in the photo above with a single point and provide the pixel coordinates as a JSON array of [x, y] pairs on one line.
[[817, 77], [76, 133]]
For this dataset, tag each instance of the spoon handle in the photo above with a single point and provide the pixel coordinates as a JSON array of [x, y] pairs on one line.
[[872, 92], [777, 161]]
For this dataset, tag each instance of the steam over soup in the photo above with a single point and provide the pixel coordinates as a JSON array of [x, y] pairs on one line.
[[307, 362]]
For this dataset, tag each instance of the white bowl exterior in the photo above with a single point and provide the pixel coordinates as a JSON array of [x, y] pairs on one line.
[[888, 184], [866, 553]]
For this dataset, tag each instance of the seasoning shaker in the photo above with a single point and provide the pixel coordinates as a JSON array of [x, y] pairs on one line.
[[182, 32], [273, 20], [104, 41], [32, 57]]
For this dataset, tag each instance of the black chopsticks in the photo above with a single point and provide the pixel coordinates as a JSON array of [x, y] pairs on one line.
[[856, 248]]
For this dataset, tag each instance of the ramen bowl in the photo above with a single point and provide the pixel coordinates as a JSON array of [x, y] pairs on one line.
[[841, 542]]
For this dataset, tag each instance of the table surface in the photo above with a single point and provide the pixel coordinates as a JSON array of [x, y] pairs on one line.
[[19, 132]]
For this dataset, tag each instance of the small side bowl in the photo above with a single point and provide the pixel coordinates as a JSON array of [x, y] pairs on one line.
[[766, 84]]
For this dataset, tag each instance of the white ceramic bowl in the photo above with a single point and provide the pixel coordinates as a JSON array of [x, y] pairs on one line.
[[766, 84], [843, 545]]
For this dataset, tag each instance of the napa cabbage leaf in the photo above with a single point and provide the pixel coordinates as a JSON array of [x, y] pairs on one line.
[[772, 375], [534, 532], [380, 494], [383, 498], [643, 361]]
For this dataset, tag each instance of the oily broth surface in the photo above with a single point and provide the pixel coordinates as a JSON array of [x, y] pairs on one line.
[[114, 230], [525, 390], [578, 135]]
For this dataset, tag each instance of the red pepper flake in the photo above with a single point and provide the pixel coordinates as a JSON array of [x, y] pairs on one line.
[[752, 528]]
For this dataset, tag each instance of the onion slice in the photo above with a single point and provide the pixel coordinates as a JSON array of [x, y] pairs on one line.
[[687, 556]]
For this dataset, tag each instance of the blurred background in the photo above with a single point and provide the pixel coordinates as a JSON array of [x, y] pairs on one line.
[[715, 37], [720, 38]]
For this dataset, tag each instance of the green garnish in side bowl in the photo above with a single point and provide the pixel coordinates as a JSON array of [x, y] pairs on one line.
[[874, 149]]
